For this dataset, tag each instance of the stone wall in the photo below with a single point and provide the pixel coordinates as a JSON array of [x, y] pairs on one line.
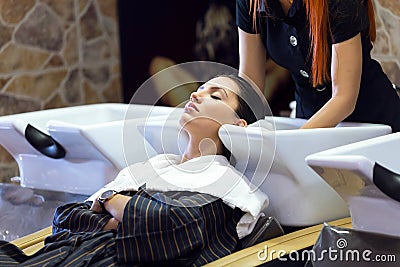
[[56, 53], [387, 45]]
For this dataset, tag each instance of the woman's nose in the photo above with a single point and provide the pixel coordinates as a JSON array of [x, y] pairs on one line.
[[194, 97]]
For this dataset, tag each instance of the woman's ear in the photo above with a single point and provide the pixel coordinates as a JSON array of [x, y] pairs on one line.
[[241, 123]]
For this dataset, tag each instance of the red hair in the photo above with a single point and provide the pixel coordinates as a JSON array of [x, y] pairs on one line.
[[317, 15]]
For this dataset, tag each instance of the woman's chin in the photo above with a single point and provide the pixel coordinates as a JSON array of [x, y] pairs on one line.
[[183, 120]]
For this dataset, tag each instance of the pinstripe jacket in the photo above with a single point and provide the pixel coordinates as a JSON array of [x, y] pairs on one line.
[[191, 230]]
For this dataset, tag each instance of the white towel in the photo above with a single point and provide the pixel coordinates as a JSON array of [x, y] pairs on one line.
[[211, 175]]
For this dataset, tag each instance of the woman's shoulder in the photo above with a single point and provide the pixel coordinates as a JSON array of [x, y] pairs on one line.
[[346, 19], [346, 7], [243, 16]]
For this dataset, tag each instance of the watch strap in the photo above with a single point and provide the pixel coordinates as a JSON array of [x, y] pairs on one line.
[[101, 200]]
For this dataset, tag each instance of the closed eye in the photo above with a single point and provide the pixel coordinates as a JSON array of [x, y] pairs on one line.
[[215, 97]]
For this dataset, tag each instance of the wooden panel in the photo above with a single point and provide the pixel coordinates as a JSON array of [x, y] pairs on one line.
[[247, 257], [32, 239], [294, 241]]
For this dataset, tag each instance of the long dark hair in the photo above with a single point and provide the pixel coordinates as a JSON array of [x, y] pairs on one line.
[[251, 106]]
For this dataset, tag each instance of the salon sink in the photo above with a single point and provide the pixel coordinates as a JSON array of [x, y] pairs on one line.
[[276, 164], [366, 175], [271, 153], [92, 137]]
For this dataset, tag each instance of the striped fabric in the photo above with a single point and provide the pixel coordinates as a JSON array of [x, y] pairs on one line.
[[65, 249], [191, 230], [77, 217]]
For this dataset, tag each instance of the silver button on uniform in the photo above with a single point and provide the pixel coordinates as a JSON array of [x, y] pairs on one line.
[[304, 74], [293, 40]]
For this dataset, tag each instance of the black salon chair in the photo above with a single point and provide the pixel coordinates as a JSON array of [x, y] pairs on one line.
[[266, 228]]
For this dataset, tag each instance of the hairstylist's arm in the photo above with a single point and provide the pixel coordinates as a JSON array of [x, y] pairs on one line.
[[346, 71], [252, 57]]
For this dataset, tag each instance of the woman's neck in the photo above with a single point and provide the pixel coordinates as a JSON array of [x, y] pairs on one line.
[[198, 147]]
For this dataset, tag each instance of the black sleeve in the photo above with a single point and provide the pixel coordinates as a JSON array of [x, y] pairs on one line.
[[77, 217], [347, 18], [244, 18]]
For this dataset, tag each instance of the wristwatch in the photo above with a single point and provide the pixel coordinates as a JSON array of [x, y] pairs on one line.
[[104, 197]]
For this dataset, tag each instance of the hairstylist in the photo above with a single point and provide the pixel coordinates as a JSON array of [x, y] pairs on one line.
[[326, 46]]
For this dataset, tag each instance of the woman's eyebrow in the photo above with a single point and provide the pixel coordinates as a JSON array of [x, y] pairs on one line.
[[219, 88]]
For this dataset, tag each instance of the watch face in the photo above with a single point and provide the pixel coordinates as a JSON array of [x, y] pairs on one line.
[[107, 194]]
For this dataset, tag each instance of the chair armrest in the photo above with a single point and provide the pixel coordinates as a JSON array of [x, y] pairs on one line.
[[32, 242]]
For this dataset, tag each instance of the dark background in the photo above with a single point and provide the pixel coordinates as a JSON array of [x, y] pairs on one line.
[[166, 28], [151, 28]]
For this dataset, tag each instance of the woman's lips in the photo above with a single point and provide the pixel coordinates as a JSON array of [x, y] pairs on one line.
[[191, 106]]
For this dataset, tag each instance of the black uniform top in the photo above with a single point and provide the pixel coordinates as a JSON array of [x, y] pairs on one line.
[[287, 41]]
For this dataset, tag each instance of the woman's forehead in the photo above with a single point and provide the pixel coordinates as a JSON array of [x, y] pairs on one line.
[[225, 83]]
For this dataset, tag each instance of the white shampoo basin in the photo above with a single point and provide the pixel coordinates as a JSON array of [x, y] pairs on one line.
[[273, 158], [366, 175], [92, 139], [298, 196]]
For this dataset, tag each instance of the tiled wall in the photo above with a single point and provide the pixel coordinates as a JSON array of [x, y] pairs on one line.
[[56, 53], [387, 45]]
